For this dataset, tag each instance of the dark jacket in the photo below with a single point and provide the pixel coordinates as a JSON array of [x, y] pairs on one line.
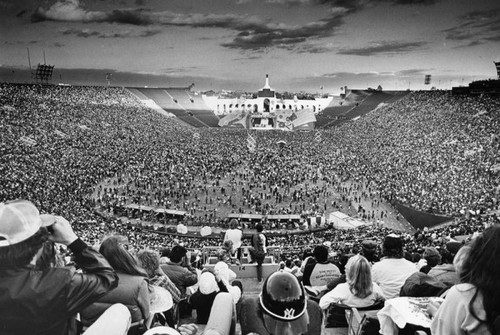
[[181, 276], [46, 302]]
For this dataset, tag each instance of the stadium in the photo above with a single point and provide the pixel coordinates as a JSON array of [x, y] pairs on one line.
[[161, 167]]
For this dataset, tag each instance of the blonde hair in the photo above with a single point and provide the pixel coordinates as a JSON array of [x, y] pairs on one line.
[[359, 276]]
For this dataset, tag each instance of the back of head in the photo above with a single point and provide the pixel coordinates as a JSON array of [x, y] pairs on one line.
[[118, 257], [177, 253], [22, 233], [283, 301], [432, 256], [321, 254], [233, 224], [259, 227], [149, 260], [481, 268], [358, 276], [393, 246]]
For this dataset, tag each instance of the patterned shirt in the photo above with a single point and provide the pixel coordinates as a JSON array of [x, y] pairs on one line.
[[165, 282]]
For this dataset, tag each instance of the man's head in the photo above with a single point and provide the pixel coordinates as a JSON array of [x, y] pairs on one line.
[[321, 254], [284, 304], [23, 233], [177, 253], [393, 246]]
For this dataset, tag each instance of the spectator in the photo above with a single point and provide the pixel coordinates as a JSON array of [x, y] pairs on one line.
[[473, 306], [179, 269], [320, 272], [208, 287], [150, 261], [446, 271], [235, 235], [281, 308], [432, 258], [132, 290], [39, 298], [392, 270], [259, 249], [359, 290], [369, 250]]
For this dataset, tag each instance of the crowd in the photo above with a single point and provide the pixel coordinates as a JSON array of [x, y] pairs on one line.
[[80, 152]]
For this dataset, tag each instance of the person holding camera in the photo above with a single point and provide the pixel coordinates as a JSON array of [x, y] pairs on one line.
[[37, 296]]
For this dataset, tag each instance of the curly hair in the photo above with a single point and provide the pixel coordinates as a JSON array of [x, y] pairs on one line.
[[149, 261]]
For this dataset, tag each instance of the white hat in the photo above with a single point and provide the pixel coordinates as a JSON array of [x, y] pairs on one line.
[[161, 300], [207, 283], [19, 220]]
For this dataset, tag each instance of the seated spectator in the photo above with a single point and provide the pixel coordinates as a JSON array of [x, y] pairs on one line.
[[359, 290], [220, 322], [281, 308], [227, 276], [150, 261], [132, 290], [209, 285], [179, 269], [38, 298], [369, 250], [446, 271], [432, 258], [318, 273], [392, 270], [473, 306]]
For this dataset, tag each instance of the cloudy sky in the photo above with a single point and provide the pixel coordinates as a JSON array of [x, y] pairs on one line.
[[233, 44]]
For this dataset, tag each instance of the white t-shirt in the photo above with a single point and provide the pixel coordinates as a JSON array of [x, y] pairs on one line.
[[341, 294], [391, 273], [235, 236]]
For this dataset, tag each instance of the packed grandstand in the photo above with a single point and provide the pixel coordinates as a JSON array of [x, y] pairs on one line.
[[110, 163]]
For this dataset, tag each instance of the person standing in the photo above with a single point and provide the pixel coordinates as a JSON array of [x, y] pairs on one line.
[[235, 235], [259, 249]]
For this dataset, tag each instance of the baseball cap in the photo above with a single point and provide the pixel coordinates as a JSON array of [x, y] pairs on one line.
[[19, 220], [284, 303]]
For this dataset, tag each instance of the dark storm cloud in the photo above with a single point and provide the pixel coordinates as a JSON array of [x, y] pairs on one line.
[[383, 48], [253, 33], [476, 28], [122, 34]]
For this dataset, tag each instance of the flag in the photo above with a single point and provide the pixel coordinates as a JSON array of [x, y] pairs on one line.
[[251, 143], [427, 80]]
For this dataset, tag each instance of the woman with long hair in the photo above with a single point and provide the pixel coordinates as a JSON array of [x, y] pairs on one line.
[[132, 290], [473, 306], [359, 290]]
